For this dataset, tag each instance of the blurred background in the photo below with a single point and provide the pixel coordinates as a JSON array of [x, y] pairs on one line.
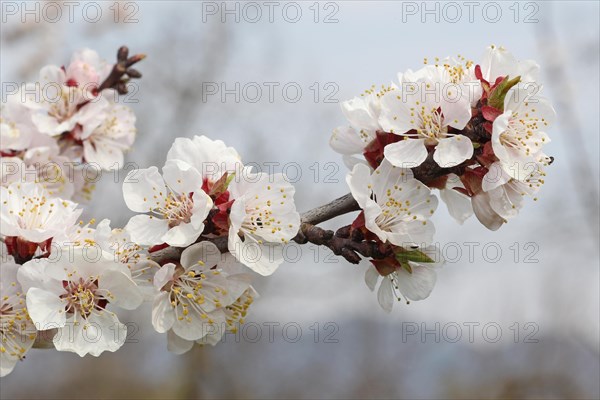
[[515, 313]]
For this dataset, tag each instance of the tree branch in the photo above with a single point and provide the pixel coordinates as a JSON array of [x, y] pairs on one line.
[[340, 242], [116, 79]]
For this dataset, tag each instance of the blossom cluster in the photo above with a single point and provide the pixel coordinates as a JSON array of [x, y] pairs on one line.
[[205, 224], [473, 132], [52, 129], [63, 281]]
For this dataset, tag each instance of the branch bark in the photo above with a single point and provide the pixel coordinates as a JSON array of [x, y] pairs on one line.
[[340, 242]]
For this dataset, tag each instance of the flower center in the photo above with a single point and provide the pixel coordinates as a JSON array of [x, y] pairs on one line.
[[177, 209], [190, 290], [84, 296], [520, 135], [430, 124]]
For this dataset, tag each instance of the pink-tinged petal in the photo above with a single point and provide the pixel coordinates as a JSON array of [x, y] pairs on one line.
[[147, 230], [452, 151], [144, 190], [407, 153], [52, 75]]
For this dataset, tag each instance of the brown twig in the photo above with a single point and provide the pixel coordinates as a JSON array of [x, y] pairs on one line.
[[122, 72]]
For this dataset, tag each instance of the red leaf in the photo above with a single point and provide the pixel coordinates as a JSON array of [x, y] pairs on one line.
[[386, 266], [490, 113]]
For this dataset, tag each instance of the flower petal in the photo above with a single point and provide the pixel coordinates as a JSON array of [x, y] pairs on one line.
[[452, 151], [371, 277], [163, 315], [385, 295], [408, 153], [142, 188], [46, 309], [147, 230], [177, 345], [418, 284]]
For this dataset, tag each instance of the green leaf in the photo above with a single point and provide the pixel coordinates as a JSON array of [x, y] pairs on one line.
[[403, 256], [229, 179], [407, 267], [221, 185], [497, 96]]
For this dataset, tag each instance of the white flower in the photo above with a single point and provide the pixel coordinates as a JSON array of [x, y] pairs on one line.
[[422, 112], [234, 317], [211, 158], [363, 115], [396, 206], [57, 107], [459, 204], [71, 292], [501, 197], [498, 62], [28, 212], [17, 131], [17, 332], [455, 76], [177, 205], [263, 219], [462, 74], [13, 169], [105, 145], [191, 297], [117, 245], [87, 70], [44, 165], [412, 279], [518, 134]]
